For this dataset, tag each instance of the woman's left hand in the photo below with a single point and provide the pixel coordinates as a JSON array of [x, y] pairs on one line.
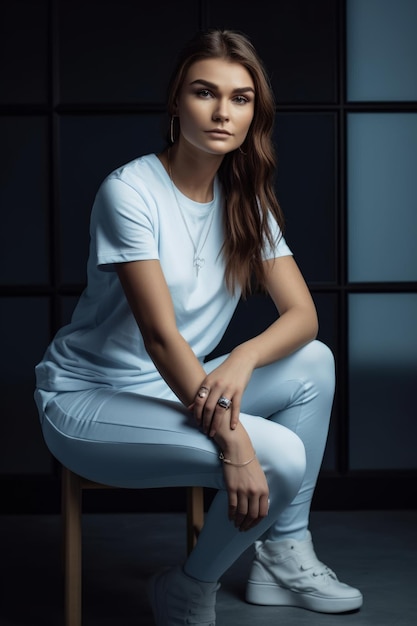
[[220, 393]]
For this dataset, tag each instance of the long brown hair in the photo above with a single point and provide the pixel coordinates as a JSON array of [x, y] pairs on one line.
[[247, 175]]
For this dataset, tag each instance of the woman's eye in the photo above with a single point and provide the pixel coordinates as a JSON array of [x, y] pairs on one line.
[[241, 100], [204, 93]]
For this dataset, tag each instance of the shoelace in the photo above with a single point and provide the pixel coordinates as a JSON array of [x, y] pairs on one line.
[[319, 568]]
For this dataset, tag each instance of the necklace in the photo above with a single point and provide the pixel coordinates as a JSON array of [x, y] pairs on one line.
[[198, 259]]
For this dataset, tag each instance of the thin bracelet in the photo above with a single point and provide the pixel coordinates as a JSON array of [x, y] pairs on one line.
[[229, 462]]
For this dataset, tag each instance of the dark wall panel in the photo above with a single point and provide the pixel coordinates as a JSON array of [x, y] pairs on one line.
[[24, 200], [297, 40], [24, 332], [306, 188], [120, 51], [24, 51], [68, 304]]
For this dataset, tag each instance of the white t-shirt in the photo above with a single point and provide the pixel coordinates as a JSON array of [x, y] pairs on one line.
[[136, 216]]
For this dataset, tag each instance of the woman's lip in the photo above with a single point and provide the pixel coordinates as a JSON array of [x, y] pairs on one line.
[[220, 133]]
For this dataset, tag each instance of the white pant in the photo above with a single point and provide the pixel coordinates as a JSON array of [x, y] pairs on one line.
[[125, 439]]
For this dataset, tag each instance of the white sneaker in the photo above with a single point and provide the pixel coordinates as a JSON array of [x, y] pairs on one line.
[[288, 573], [179, 600]]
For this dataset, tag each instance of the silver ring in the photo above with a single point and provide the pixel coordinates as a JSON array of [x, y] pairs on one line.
[[224, 402]]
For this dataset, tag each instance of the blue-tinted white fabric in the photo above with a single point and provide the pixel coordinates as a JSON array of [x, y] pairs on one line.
[[129, 440], [136, 217], [108, 415]]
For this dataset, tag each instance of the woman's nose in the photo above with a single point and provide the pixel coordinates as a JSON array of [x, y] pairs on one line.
[[221, 112]]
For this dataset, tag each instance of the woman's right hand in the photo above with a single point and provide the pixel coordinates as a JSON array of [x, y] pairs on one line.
[[248, 494], [246, 483]]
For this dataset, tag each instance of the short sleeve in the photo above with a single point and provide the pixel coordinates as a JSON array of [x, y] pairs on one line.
[[123, 226], [279, 246]]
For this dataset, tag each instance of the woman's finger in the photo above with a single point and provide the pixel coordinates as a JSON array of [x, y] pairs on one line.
[[241, 513], [197, 407], [223, 405], [232, 506], [235, 413]]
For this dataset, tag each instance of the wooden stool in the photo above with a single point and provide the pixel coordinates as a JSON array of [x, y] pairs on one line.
[[72, 486]]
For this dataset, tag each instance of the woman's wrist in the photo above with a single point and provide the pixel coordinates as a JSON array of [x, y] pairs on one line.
[[237, 464], [246, 355], [235, 445]]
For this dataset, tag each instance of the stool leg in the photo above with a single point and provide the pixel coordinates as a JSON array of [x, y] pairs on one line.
[[71, 509], [195, 515]]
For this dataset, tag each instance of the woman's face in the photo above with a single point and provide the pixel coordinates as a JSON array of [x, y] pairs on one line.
[[216, 105]]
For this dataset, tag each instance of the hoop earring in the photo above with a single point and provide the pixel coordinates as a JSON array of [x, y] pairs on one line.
[[171, 129]]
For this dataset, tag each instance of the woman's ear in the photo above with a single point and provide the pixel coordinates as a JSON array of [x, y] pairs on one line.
[[176, 103]]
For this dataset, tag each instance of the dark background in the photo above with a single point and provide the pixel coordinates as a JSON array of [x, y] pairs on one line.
[[82, 92]]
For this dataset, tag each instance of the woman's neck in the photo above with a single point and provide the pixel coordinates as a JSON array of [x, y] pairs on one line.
[[193, 176]]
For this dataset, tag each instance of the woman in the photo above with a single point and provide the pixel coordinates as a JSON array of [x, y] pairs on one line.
[[124, 393]]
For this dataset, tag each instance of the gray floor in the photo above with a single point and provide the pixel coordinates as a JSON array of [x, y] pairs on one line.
[[375, 551]]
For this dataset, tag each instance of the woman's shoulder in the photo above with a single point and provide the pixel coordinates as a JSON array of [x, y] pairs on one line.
[[137, 186], [139, 172]]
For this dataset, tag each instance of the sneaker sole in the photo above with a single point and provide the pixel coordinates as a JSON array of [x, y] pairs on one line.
[[274, 595]]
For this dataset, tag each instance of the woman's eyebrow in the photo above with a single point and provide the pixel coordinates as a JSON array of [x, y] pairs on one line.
[[213, 86]]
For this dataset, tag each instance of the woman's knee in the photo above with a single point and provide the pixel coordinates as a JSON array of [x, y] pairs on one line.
[[318, 355], [319, 365]]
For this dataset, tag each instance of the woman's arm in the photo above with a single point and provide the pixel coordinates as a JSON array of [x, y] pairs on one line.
[[150, 301], [149, 298], [296, 326], [297, 323]]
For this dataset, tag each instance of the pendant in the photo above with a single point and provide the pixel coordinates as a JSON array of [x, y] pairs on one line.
[[198, 264]]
